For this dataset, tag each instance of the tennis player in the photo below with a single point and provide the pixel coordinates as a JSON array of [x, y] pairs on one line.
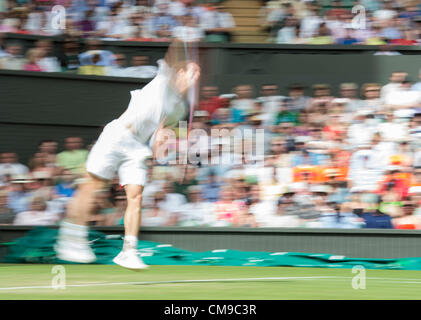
[[123, 147]]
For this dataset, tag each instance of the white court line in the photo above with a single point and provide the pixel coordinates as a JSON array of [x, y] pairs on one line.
[[172, 281], [96, 284]]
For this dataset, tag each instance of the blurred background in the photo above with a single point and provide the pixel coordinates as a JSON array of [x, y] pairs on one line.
[[340, 107]]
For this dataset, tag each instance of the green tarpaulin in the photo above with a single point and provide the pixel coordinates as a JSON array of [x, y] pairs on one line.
[[38, 247]]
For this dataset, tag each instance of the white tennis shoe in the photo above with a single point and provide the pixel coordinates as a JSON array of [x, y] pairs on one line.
[[75, 251], [130, 259]]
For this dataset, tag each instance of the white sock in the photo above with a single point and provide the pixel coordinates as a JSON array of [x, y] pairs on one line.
[[130, 242], [72, 230]]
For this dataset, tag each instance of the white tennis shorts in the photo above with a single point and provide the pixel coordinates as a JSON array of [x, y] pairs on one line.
[[118, 151]]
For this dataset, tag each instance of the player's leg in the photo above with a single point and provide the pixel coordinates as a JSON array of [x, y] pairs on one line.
[[129, 257], [102, 162], [82, 203], [132, 214], [73, 242]]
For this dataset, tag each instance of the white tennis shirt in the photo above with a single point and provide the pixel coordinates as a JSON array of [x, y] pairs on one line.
[[148, 106]]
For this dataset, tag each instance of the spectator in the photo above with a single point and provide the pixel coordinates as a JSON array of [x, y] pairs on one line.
[[141, 68], [211, 188], [407, 220], [188, 31], [373, 217], [87, 24], [9, 166], [155, 215], [66, 185], [289, 33], [172, 199], [94, 67], [48, 62], [270, 99], [371, 100], [282, 217], [297, 100], [217, 24], [348, 38], [285, 114], [114, 26], [162, 24], [21, 193], [417, 86], [104, 58], [311, 22], [196, 212], [69, 60], [245, 217], [394, 84], [7, 216], [392, 129], [34, 57], [137, 29], [271, 16], [74, 156], [226, 209], [119, 69], [323, 36], [49, 148], [243, 104], [117, 217], [12, 60], [341, 218], [210, 101], [37, 215], [403, 100]]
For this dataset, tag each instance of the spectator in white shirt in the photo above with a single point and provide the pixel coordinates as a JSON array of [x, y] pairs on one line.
[[363, 128], [37, 214], [289, 33], [9, 166], [368, 163], [114, 26], [279, 216], [48, 63], [119, 67], [387, 12], [196, 212], [395, 81], [155, 215], [270, 100], [417, 85], [392, 129], [310, 23], [370, 93], [140, 68], [172, 200], [188, 31], [217, 24], [12, 58], [403, 99]]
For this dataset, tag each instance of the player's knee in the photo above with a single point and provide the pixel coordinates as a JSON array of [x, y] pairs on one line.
[[134, 200]]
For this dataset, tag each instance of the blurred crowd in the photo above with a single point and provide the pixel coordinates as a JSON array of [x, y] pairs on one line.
[[345, 160], [92, 60], [128, 20], [369, 22]]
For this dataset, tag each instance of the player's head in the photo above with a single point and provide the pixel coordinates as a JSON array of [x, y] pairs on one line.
[[185, 71]]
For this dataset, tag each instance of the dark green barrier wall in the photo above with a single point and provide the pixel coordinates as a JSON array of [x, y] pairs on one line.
[[363, 243], [37, 106]]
